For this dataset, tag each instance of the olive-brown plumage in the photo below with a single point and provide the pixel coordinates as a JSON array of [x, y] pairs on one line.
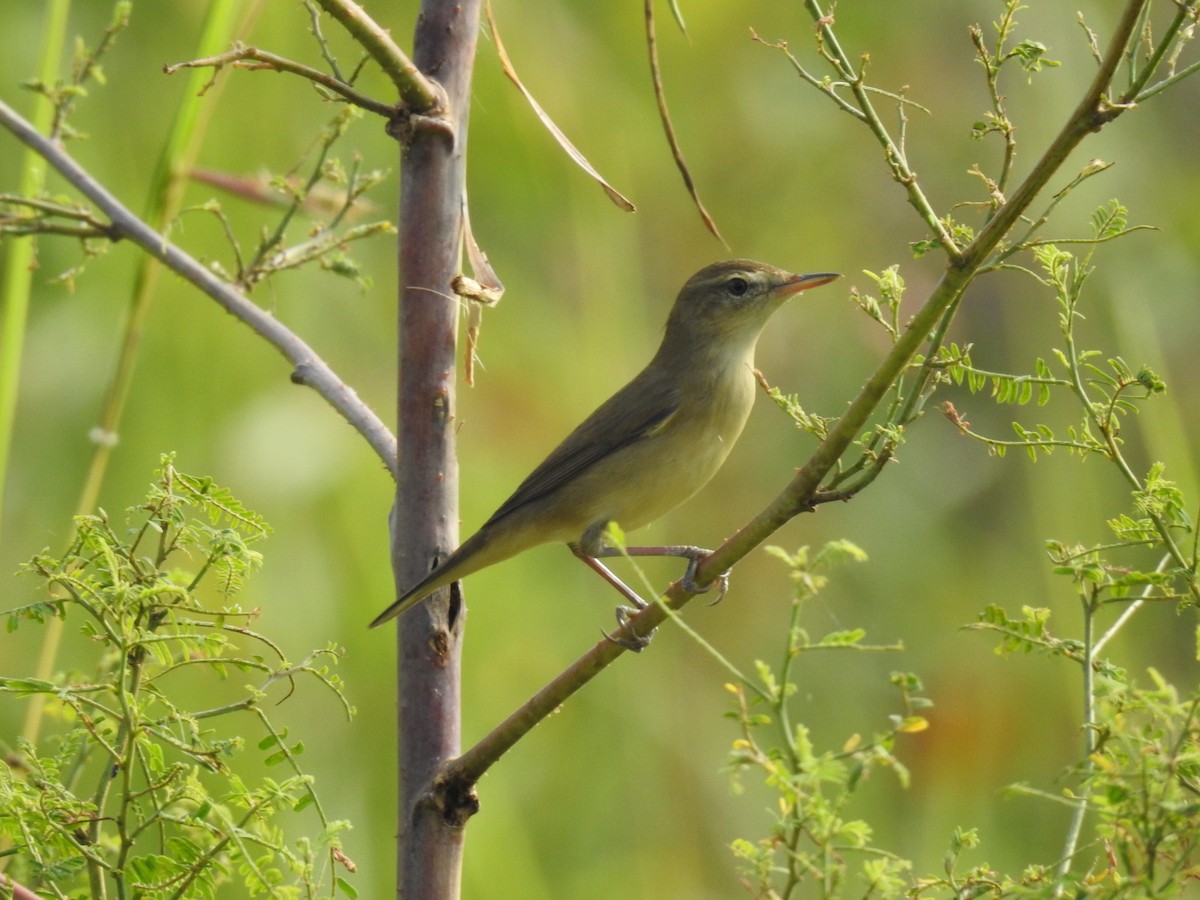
[[651, 445]]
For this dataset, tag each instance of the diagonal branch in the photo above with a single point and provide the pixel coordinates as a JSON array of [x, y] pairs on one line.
[[801, 495], [1091, 114], [419, 93], [309, 370]]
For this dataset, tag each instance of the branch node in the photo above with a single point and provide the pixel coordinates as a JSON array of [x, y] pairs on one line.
[[828, 497], [404, 124], [453, 796]]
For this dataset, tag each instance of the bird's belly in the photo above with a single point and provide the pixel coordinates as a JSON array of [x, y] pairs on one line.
[[647, 479], [669, 480]]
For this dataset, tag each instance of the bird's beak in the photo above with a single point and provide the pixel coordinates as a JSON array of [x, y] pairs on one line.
[[794, 284]]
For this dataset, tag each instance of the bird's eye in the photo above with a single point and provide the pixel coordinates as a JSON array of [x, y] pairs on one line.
[[737, 286]]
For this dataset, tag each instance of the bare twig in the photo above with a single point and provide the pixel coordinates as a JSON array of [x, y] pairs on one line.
[[314, 17], [665, 116], [80, 222], [244, 57], [310, 369], [894, 155]]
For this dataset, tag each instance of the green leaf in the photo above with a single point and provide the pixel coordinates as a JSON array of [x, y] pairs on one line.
[[1032, 56], [22, 686], [846, 638]]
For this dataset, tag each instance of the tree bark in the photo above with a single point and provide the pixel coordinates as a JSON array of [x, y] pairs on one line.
[[425, 517]]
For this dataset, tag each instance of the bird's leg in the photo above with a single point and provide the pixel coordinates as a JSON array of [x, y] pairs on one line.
[[609, 575], [638, 642], [693, 555], [592, 546]]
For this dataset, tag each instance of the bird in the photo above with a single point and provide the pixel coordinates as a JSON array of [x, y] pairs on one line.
[[649, 447]]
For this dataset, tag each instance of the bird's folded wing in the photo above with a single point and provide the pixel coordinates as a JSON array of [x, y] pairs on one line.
[[615, 425]]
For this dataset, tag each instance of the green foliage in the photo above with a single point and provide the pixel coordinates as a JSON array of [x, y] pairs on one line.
[[891, 288], [21, 216], [138, 792], [1135, 825], [1136, 779], [1139, 779], [816, 425], [1143, 785], [814, 835], [878, 445], [1106, 394], [85, 67]]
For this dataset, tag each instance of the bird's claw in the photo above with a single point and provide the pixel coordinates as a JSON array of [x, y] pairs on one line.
[[688, 581], [638, 642]]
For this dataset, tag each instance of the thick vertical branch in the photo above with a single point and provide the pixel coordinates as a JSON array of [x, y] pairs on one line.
[[425, 518]]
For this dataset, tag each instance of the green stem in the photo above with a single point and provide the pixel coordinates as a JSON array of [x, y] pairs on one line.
[[1134, 92], [202, 862], [128, 677], [419, 93], [796, 832], [893, 153], [21, 257], [1103, 424], [1090, 607]]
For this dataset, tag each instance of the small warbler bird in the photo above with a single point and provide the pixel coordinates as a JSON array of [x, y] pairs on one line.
[[652, 445]]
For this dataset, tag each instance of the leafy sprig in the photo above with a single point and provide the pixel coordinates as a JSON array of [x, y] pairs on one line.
[[165, 815], [813, 833]]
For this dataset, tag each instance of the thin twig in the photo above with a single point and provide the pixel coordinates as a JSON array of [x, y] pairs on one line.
[[314, 16], [310, 369], [241, 55], [665, 116], [831, 49], [1075, 827]]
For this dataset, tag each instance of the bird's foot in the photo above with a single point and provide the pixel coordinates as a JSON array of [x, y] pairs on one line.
[[637, 642], [688, 581]]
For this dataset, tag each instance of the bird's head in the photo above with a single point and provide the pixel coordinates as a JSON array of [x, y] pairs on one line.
[[728, 303]]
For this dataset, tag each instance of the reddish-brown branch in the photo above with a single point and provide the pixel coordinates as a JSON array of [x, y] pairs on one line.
[[425, 518]]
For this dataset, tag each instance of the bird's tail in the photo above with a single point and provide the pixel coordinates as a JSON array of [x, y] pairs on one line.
[[469, 557], [420, 591]]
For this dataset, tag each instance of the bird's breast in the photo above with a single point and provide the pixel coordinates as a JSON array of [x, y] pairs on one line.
[[656, 474]]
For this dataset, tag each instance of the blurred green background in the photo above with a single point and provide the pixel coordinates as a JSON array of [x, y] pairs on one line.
[[623, 791]]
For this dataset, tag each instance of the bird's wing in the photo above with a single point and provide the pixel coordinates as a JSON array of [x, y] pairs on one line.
[[633, 414]]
